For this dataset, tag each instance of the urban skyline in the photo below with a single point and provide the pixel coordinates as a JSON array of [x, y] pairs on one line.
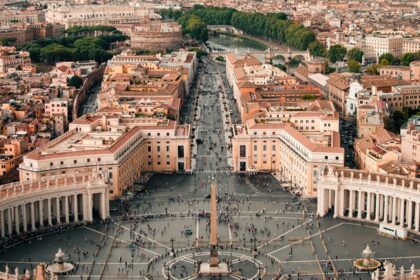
[[209, 140]]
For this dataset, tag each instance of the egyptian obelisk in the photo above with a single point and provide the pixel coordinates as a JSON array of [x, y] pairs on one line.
[[214, 257]]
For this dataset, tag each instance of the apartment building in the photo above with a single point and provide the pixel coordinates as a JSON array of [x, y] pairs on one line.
[[411, 45], [121, 148], [405, 73], [10, 58], [404, 96], [376, 45], [410, 141]]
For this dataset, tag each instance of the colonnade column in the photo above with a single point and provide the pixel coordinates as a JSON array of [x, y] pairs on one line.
[[75, 208], [394, 210], [377, 206], [359, 209], [417, 217], [25, 220], [402, 208], [320, 202], [9, 220], [337, 204], [368, 207], [410, 214], [351, 204], [33, 227], [49, 211], [66, 208], [41, 213], [17, 220], [386, 200], [58, 212], [2, 229]]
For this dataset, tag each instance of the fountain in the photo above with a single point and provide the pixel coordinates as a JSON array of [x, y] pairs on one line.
[[367, 263], [60, 266]]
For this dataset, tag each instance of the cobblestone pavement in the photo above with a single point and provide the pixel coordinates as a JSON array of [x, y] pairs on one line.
[[255, 213]]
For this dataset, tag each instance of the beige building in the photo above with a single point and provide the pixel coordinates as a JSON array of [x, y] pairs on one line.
[[90, 15], [122, 148], [376, 45], [411, 45], [410, 141], [405, 96], [293, 157], [405, 73], [10, 58]]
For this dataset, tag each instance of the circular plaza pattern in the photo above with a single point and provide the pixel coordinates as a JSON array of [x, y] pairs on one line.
[[254, 213]]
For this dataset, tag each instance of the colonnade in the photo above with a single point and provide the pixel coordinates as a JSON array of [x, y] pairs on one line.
[[36, 205], [370, 197]]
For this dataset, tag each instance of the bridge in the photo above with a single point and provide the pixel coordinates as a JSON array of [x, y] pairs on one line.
[[374, 198], [26, 206], [224, 29], [270, 54]]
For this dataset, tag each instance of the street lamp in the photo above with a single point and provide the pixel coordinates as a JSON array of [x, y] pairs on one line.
[[172, 247]]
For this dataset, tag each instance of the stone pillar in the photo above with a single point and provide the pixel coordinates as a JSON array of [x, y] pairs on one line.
[[32, 206], [402, 209], [17, 220], [58, 212], [104, 202], [368, 206], [417, 216], [386, 207], [9, 221], [377, 207], [41, 213], [381, 207], [66, 209], [410, 214], [320, 202], [394, 210], [25, 220], [49, 211], [90, 205], [337, 204], [2, 229], [75, 208], [360, 205], [351, 204]]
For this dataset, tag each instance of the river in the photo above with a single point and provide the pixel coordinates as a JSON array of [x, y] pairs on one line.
[[231, 43]]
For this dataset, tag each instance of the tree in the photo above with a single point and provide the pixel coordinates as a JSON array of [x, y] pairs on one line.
[[407, 58], [353, 66], [355, 54], [7, 41], [389, 57], [336, 53], [317, 49], [75, 81]]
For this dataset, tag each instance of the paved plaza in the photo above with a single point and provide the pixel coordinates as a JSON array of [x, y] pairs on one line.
[[263, 230]]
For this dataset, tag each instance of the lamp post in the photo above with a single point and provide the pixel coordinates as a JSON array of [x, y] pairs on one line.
[[172, 247]]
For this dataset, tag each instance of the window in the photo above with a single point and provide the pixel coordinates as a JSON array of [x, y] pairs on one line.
[[149, 148], [51, 164], [326, 157], [88, 160], [274, 148], [168, 163], [158, 162], [264, 148], [99, 159], [75, 161], [181, 151], [255, 148], [337, 158], [158, 149], [242, 151]]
